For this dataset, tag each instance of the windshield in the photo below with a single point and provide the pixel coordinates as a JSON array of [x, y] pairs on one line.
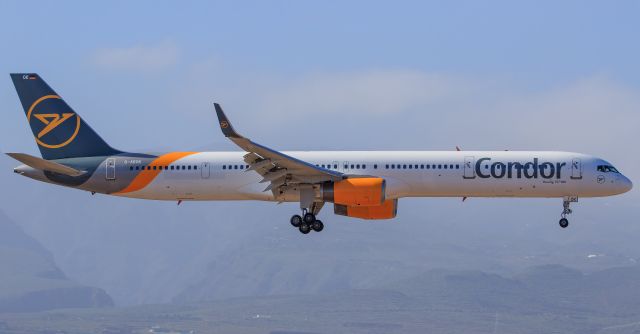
[[607, 169]]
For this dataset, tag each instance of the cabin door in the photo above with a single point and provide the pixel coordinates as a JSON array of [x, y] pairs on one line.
[[576, 168], [469, 171], [111, 169]]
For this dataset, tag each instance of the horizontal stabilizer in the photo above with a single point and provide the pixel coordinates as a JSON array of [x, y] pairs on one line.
[[45, 165]]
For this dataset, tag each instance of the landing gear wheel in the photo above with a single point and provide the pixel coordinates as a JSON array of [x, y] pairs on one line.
[[304, 228], [296, 220], [309, 218], [564, 222], [317, 226]]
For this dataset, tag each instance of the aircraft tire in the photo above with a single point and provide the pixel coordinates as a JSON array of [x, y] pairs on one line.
[[309, 218], [317, 226], [304, 228], [564, 222], [296, 220]]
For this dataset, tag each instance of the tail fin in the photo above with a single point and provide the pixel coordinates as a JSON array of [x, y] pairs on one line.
[[58, 130]]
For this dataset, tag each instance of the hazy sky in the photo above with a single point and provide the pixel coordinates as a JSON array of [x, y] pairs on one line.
[[336, 75], [543, 75]]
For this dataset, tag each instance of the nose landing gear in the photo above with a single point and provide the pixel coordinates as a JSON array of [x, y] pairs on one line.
[[564, 222]]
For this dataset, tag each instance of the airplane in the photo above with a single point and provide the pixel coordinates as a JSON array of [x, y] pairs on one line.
[[359, 184]]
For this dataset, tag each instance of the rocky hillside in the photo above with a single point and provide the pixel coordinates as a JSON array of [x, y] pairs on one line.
[[31, 281]]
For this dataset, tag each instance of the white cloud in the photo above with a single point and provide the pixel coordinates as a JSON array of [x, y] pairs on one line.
[[139, 57]]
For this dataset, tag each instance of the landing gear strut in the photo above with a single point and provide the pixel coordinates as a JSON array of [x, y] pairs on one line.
[[564, 222], [307, 221]]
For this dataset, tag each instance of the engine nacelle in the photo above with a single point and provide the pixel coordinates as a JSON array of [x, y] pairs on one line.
[[365, 191], [387, 210]]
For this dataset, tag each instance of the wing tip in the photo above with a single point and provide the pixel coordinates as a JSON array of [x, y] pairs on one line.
[[225, 125]]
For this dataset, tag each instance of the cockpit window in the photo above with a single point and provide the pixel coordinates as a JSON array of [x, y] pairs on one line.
[[607, 169]]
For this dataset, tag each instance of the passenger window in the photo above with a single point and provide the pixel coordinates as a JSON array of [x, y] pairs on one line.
[[183, 167], [439, 166], [352, 166], [421, 166], [428, 166], [445, 166], [386, 166], [375, 166], [195, 167], [404, 166], [410, 166], [335, 166], [346, 167]]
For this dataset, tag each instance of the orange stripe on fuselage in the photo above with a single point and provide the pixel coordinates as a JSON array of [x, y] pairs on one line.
[[146, 176]]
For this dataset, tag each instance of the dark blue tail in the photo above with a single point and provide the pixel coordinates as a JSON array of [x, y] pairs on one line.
[[58, 130]]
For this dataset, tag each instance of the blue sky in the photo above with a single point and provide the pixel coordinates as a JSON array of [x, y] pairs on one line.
[[532, 39], [451, 72]]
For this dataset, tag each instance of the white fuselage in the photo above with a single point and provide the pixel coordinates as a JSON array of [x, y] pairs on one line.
[[223, 175]]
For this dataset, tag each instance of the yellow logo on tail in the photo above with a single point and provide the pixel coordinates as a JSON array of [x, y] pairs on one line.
[[51, 122]]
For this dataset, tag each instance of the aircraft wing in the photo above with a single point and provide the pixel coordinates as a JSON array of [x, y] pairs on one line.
[[45, 165], [275, 167]]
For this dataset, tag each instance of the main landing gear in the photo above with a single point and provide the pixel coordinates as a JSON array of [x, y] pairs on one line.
[[564, 222], [306, 222]]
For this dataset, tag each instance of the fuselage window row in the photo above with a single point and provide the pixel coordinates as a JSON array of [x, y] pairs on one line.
[[364, 166], [181, 167], [327, 166]]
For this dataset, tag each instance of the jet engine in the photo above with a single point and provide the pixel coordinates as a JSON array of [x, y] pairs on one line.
[[356, 192]]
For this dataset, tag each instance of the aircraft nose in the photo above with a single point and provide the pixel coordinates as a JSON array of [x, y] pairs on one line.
[[623, 184], [628, 185]]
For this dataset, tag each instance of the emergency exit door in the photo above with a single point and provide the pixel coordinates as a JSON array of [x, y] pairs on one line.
[[204, 170]]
